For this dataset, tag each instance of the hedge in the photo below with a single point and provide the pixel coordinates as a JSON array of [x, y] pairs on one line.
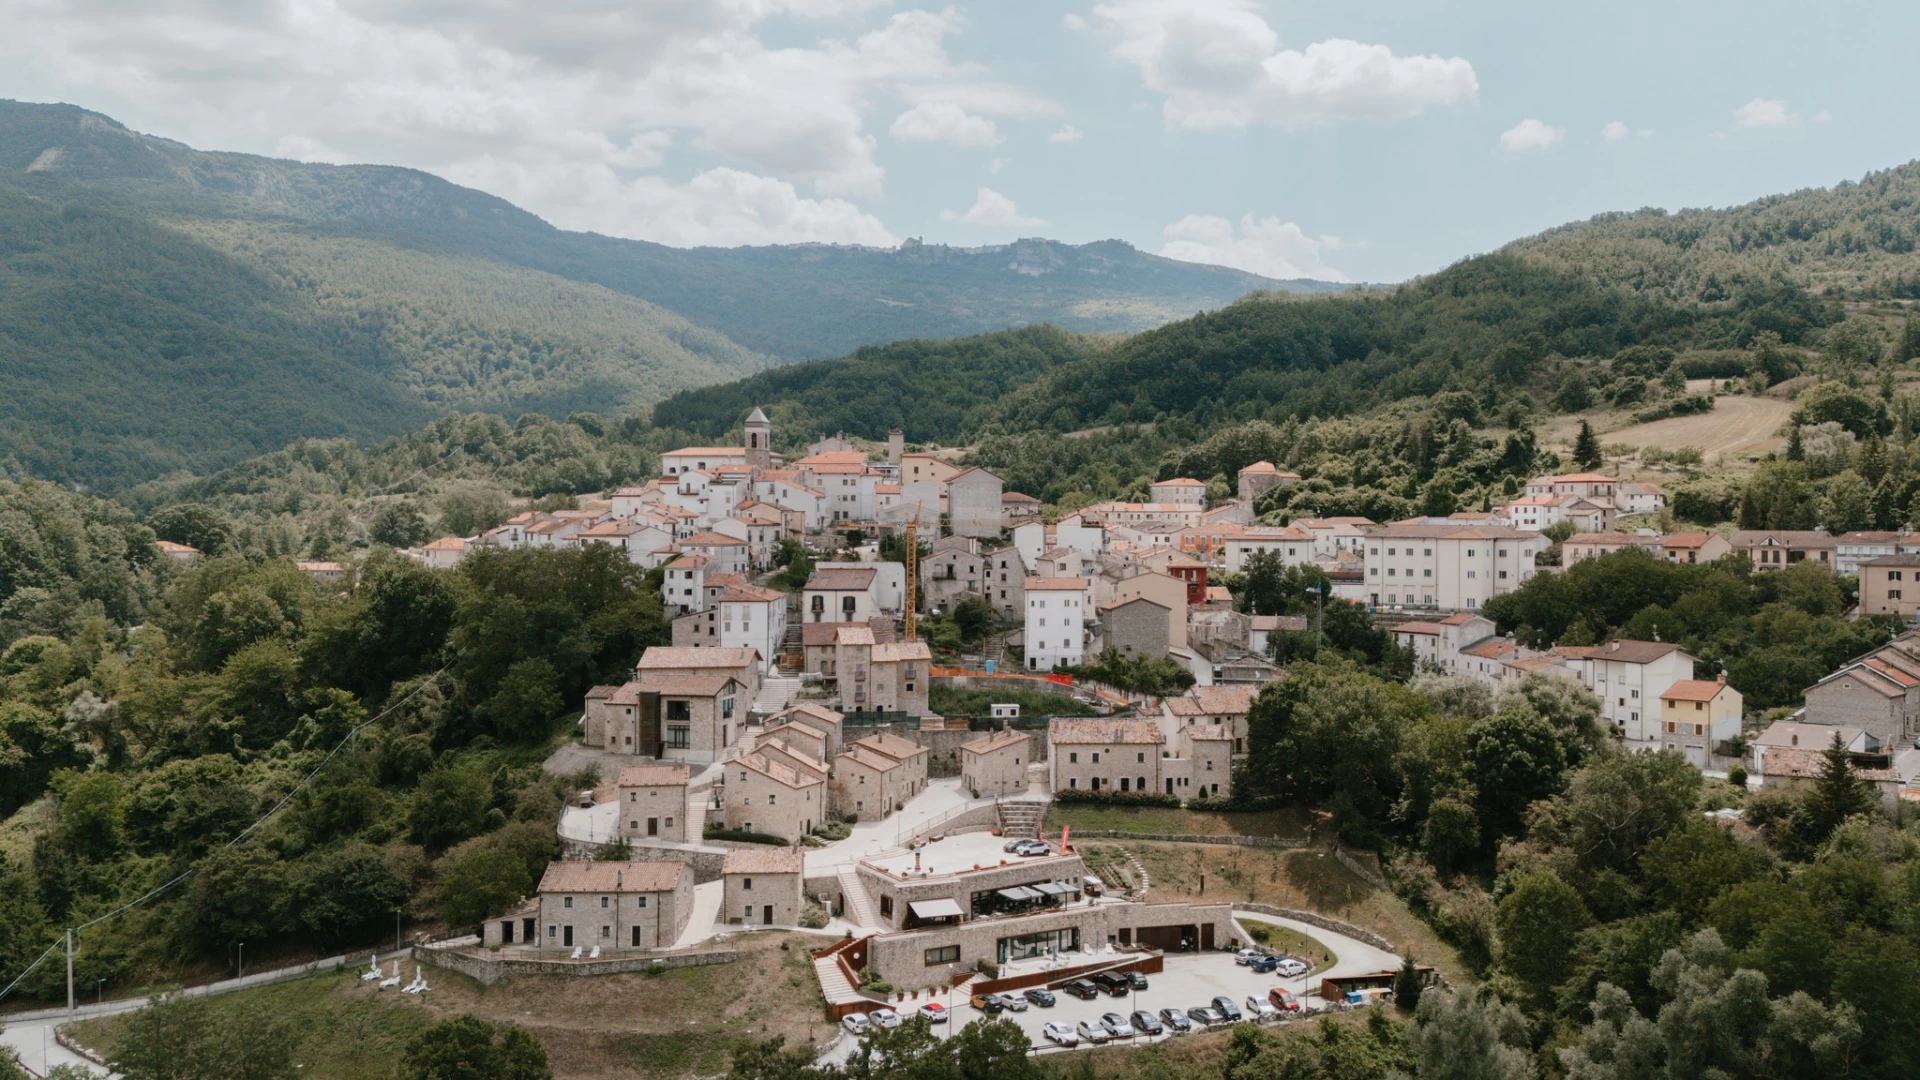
[[744, 837], [1076, 796]]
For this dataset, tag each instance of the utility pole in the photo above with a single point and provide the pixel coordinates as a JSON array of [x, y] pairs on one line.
[[396, 929], [69, 971]]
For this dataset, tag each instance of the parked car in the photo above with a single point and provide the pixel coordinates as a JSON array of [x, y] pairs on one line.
[[1012, 1002], [1176, 1021], [1206, 1016], [1083, 989], [1263, 964], [1040, 997], [1260, 1009], [1060, 1034], [1033, 847], [1283, 1001], [988, 1003], [1092, 1032], [1114, 983], [1227, 1008], [1117, 1026], [885, 1018], [855, 1023], [1091, 885], [1135, 980], [935, 1012], [1245, 956], [1292, 969], [1146, 1023], [1013, 845]]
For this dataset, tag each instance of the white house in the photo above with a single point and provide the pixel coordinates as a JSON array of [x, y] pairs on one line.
[[1447, 567], [1629, 677], [1290, 544], [1057, 613]]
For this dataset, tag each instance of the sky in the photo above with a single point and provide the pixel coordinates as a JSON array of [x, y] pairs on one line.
[[1341, 141]]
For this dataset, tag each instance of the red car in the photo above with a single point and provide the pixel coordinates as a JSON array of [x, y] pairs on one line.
[[1282, 1000]]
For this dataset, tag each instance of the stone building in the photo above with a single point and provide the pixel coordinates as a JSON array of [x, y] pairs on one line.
[[1136, 627], [653, 802], [1097, 754], [973, 503], [614, 905], [996, 765], [774, 795], [762, 886]]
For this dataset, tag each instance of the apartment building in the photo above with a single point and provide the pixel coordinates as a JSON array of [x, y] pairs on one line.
[[1448, 567], [1057, 613]]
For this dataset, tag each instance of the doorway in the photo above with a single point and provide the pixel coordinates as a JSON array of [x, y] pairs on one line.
[[767, 914], [653, 826], [566, 936]]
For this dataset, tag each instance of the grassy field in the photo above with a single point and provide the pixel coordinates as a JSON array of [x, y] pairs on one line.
[[677, 1024], [1306, 880], [949, 700], [1294, 943], [1291, 822]]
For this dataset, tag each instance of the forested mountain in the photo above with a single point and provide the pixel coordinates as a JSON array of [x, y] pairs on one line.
[[168, 309]]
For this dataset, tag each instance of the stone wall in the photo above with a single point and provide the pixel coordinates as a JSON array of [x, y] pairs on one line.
[[488, 970], [704, 858], [1321, 921], [1192, 838]]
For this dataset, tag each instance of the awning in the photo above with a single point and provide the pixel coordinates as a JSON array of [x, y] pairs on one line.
[[1019, 892], [934, 909], [1052, 888]]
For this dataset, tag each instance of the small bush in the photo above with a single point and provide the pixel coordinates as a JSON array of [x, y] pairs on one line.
[[813, 916], [1075, 796], [1737, 776], [741, 836], [1680, 406]]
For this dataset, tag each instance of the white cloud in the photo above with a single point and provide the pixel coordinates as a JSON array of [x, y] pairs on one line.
[[990, 208], [1219, 65], [1266, 246], [1615, 131], [943, 121], [720, 207], [1073, 22], [1764, 113], [466, 88], [1823, 117], [1066, 133], [1530, 134]]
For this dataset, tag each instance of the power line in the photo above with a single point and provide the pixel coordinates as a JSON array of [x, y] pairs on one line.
[[244, 833]]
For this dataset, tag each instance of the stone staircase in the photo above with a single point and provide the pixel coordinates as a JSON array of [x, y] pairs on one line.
[[833, 982], [793, 651], [859, 909], [776, 693], [698, 802], [1021, 818]]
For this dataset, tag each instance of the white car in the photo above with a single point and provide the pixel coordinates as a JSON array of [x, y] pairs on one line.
[[1291, 968], [1012, 1002], [935, 1012], [885, 1018], [1260, 1009], [1245, 956], [1060, 1034], [1117, 1026], [1092, 1032], [856, 1023]]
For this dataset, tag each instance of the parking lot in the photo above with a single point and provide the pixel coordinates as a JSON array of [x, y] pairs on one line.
[[1189, 980]]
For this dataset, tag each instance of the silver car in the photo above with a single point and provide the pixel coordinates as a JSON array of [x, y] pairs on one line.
[[1117, 1026], [1060, 1034], [855, 1023], [1012, 1002], [885, 1018], [1291, 968], [1092, 1032]]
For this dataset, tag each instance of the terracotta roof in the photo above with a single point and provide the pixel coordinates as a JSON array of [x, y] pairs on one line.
[[1633, 652], [1693, 690], [1686, 540], [892, 746], [1183, 706], [886, 489], [808, 708], [762, 859], [670, 657], [707, 451], [1781, 538], [1056, 584], [1578, 478], [867, 758], [1493, 649], [1418, 626], [1179, 481], [840, 579], [779, 772], [834, 457], [652, 776], [999, 740], [852, 634], [1225, 700], [1895, 561], [1892, 671], [1460, 619], [601, 693], [1869, 678], [583, 876], [748, 594], [445, 543], [1612, 539], [1080, 730], [709, 538], [675, 684], [893, 652], [1017, 496]]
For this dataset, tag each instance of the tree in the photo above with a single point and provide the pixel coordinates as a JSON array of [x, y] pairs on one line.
[[1535, 929], [1451, 833], [399, 524], [1466, 1036], [1847, 504], [177, 1038], [1515, 757], [1838, 794], [1796, 447], [1909, 346], [480, 879], [195, 525], [1586, 447], [469, 1048], [526, 702], [1407, 986]]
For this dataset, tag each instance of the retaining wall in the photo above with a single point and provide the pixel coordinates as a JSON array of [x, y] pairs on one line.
[[1315, 919], [1193, 838], [704, 859], [488, 970]]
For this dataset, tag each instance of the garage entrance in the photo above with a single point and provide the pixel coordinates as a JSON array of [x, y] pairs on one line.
[[1176, 938]]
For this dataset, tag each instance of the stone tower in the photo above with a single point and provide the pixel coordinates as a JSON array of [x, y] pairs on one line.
[[759, 440], [896, 446]]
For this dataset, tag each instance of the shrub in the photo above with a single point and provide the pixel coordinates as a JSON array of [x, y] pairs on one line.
[[1680, 406], [1737, 776], [1073, 796], [742, 836], [813, 916]]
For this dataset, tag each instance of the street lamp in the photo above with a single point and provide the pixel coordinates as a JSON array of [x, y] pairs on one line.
[[396, 929], [243, 960], [100, 992]]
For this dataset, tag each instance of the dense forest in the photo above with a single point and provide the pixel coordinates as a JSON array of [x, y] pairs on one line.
[[288, 764]]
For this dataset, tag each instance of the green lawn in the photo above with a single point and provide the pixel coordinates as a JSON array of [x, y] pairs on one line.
[[948, 700], [1292, 942], [1167, 820]]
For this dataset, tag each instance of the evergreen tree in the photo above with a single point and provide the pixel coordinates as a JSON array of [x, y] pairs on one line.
[[1838, 794], [1909, 340], [1873, 459], [1586, 448], [1795, 450], [1406, 985]]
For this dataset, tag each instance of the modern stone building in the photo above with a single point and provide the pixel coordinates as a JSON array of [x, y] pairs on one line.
[[1136, 627], [996, 765], [973, 503], [613, 905], [1095, 754], [774, 795], [653, 802], [762, 886]]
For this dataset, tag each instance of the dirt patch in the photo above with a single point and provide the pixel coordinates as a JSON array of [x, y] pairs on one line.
[[1738, 427]]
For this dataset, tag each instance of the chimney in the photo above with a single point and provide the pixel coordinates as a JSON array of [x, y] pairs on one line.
[[1614, 647], [1723, 678]]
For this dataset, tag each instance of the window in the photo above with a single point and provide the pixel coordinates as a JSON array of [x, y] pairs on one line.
[[603, 902], [1096, 757], [945, 954], [746, 883], [606, 931], [679, 710], [566, 902], [640, 901], [1893, 594], [1073, 759], [1073, 782], [1139, 757], [679, 737]]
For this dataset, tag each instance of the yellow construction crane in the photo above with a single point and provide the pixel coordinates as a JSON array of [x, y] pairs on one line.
[[913, 576]]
